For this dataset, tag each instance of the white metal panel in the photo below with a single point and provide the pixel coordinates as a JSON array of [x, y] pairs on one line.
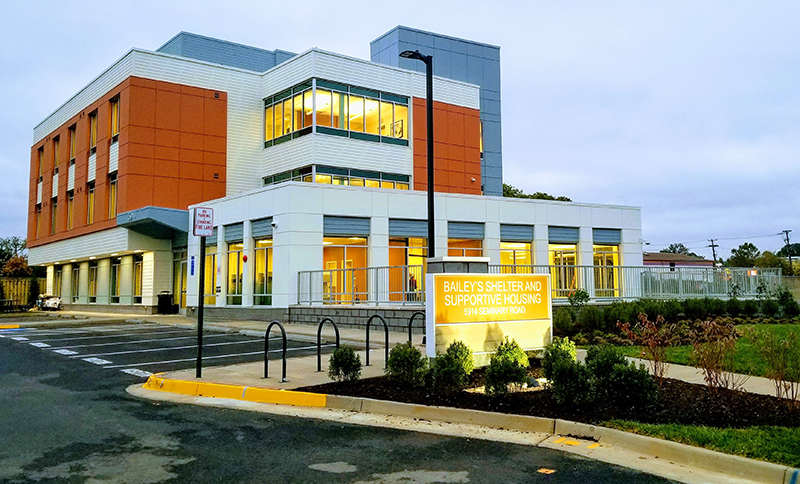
[[92, 169], [111, 77], [292, 154], [103, 242], [39, 192], [71, 178], [294, 71], [364, 155], [113, 157], [55, 185]]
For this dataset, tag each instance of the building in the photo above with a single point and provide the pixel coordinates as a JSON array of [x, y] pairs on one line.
[[674, 260], [315, 166]]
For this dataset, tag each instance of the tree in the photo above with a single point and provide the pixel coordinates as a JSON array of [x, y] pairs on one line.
[[512, 192], [678, 248], [17, 266], [11, 247], [768, 259], [793, 248], [743, 256]]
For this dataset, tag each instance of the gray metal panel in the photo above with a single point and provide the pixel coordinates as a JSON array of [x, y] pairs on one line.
[[214, 235], [516, 233], [180, 240], [465, 230], [156, 222], [345, 226], [234, 232], [607, 236], [262, 228], [563, 235], [408, 228], [220, 51]]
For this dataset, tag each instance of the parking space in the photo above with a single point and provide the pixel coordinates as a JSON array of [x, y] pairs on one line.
[[144, 349]]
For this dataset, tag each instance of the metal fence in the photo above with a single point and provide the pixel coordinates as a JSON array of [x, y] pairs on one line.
[[405, 285]]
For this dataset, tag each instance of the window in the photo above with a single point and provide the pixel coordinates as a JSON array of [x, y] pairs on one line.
[[344, 261], [115, 280], [480, 140], [407, 261], [112, 195], [93, 132], [53, 215], [58, 274], [93, 281], [70, 209], [235, 273], [515, 254], [75, 283], [341, 110], [342, 176], [56, 147], [90, 203], [40, 155], [138, 271], [563, 273], [38, 219], [465, 247], [210, 287], [115, 119], [262, 283], [606, 270], [72, 145]]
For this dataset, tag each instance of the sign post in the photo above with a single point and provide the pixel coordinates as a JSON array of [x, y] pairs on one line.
[[203, 227]]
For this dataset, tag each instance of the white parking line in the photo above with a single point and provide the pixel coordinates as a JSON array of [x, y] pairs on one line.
[[137, 372], [216, 357], [89, 329], [150, 350], [205, 336], [97, 361], [65, 352], [40, 345], [20, 338], [115, 335]]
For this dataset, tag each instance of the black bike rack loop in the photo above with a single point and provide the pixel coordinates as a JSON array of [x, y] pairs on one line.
[[411, 321], [386, 337], [266, 349], [319, 340]]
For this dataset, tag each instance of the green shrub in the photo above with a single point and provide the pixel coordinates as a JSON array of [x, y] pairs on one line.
[[787, 302], [749, 307], [672, 310], [631, 387], [561, 349], [600, 361], [617, 311], [733, 307], [578, 298], [344, 365], [448, 374], [715, 307], [591, 319], [563, 322], [508, 365], [462, 354], [406, 364], [769, 307], [695, 309], [33, 292], [571, 383]]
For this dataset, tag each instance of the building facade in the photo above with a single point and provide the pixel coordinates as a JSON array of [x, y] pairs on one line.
[[315, 165]]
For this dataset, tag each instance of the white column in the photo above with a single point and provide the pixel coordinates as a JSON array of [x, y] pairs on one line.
[[84, 283], [126, 280], [491, 242], [378, 257], [222, 267], [541, 245], [66, 284], [48, 288], [247, 270]]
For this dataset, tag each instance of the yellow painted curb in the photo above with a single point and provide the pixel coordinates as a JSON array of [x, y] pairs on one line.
[[9, 326], [236, 392]]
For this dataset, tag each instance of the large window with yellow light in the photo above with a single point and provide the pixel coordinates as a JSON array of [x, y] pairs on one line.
[[262, 273], [606, 270], [344, 261], [563, 270]]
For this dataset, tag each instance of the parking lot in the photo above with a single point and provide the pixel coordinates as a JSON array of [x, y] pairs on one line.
[[147, 348]]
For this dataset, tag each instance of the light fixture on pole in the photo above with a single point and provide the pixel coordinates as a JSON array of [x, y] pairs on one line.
[[428, 60]]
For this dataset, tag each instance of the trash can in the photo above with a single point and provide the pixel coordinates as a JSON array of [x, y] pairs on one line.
[[165, 302]]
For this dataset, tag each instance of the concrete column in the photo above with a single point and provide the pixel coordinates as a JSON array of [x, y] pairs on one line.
[[84, 283], [541, 245], [222, 267], [126, 280], [66, 284], [103, 281], [491, 242], [247, 270], [586, 258], [48, 288], [192, 253]]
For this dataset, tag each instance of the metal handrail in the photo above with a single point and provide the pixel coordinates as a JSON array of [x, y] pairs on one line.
[[319, 340], [386, 336], [266, 350], [411, 321]]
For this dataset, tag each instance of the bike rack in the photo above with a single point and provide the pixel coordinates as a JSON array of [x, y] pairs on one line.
[[266, 350], [411, 321], [319, 340], [386, 335]]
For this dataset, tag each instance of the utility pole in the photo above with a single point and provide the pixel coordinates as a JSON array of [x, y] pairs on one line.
[[788, 250], [714, 250]]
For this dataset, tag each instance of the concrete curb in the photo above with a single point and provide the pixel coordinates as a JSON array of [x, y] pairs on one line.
[[709, 460]]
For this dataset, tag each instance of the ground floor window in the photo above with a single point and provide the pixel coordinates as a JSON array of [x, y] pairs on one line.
[[210, 285], [407, 260], [57, 278], [465, 247], [93, 282], [138, 271], [563, 270], [515, 257], [345, 263], [116, 265], [76, 284], [179, 276], [262, 273], [235, 273], [606, 270]]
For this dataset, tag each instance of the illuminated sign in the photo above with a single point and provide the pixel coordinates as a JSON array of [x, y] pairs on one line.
[[481, 309]]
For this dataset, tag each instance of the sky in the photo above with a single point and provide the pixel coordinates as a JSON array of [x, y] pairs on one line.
[[688, 110]]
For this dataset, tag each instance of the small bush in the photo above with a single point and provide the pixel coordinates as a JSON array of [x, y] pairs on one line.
[[563, 322], [561, 349], [714, 350], [462, 354], [571, 383], [509, 365], [695, 309], [406, 364], [344, 365], [733, 307], [631, 387], [600, 361], [715, 307], [654, 337], [769, 308], [578, 298], [591, 319], [749, 307], [450, 371]]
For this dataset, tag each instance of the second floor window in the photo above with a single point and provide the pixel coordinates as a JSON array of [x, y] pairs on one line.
[[56, 147], [53, 215], [114, 118], [40, 154], [70, 209], [93, 131], [72, 145]]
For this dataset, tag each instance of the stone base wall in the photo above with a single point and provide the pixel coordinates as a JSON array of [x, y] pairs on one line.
[[110, 308], [357, 317], [241, 314]]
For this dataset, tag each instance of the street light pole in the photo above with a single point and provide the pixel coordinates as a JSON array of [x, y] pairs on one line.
[[428, 60]]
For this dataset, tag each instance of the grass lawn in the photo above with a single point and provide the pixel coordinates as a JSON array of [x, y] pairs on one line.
[[780, 445], [748, 360]]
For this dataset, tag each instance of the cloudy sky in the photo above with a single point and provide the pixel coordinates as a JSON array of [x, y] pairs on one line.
[[689, 110]]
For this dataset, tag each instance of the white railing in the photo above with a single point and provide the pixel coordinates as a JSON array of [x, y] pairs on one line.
[[405, 285]]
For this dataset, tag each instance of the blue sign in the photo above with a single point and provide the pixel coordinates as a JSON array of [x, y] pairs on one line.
[[192, 269]]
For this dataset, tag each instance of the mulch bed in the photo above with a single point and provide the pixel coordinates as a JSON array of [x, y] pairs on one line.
[[679, 403]]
